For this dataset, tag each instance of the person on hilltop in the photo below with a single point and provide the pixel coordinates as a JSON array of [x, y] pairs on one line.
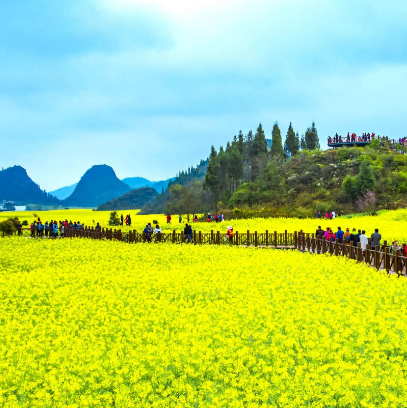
[[339, 235], [319, 233], [180, 218], [375, 239], [168, 218]]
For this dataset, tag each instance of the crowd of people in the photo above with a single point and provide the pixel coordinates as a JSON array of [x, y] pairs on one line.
[[216, 218], [328, 215], [347, 236], [51, 229], [364, 138]]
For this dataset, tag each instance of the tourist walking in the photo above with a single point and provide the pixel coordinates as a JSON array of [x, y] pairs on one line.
[[188, 233]]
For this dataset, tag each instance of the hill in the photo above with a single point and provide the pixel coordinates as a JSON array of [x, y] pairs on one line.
[[139, 182], [64, 192], [97, 186], [134, 199], [17, 186]]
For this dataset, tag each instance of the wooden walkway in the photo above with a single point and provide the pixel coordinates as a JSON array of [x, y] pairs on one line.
[[380, 258]]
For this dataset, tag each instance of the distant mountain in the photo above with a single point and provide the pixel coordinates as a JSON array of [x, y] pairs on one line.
[[97, 186], [138, 182], [64, 192], [17, 186], [134, 199]]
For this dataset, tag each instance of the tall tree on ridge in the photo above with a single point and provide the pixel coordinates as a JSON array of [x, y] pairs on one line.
[[259, 159], [311, 138], [291, 145], [276, 149], [212, 178]]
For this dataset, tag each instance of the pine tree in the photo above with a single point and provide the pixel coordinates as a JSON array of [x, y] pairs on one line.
[[349, 188], [366, 179], [212, 178], [291, 145], [276, 149], [311, 138], [303, 144], [240, 141], [235, 168], [259, 143]]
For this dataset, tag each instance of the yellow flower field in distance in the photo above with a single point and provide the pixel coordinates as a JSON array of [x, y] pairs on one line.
[[88, 323], [392, 224]]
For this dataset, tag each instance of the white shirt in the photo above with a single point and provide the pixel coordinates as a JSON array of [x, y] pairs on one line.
[[157, 230], [363, 241]]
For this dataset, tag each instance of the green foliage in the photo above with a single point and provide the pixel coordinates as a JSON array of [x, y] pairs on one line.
[[276, 149], [303, 144], [311, 138], [212, 178], [366, 179], [114, 219], [9, 226], [350, 188], [292, 144]]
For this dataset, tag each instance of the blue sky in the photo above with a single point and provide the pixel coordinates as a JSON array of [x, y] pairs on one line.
[[147, 86]]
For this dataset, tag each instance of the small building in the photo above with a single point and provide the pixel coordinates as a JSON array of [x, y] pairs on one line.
[[20, 208]]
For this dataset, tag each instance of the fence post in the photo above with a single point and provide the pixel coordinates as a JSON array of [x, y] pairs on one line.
[[248, 238], [285, 238], [368, 254], [396, 262], [119, 235], [351, 251], [295, 240], [267, 238], [336, 247], [275, 239], [376, 257], [194, 237], [211, 237], [359, 252], [255, 239], [313, 245], [218, 237], [387, 259], [173, 236], [237, 238], [200, 237]]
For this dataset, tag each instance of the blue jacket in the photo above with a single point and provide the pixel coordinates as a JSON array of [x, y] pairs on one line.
[[340, 234]]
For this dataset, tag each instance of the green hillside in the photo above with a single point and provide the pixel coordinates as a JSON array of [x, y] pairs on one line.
[[134, 199]]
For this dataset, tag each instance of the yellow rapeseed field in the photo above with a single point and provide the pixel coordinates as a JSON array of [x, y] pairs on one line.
[[392, 224], [88, 323]]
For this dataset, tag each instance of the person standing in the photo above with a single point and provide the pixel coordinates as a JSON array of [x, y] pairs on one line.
[[195, 218], [121, 220], [375, 239], [19, 228], [221, 217], [187, 233], [319, 233], [62, 230], [318, 214], [129, 220], [168, 218], [339, 235], [354, 237], [55, 229], [180, 218], [46, 228], [363, 240]]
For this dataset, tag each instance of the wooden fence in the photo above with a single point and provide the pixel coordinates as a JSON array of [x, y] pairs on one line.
[[380, 257]]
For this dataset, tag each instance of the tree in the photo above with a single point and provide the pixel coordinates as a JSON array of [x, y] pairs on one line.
[[311, 138], [366, 179], [212, 178], [114, 219], [349, 188], [303, 144], [235, 168], [292, 144], [259, 152], [276, 149], [240, 142]]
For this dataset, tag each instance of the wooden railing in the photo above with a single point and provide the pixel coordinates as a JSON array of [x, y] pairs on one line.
[[380, 257]]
